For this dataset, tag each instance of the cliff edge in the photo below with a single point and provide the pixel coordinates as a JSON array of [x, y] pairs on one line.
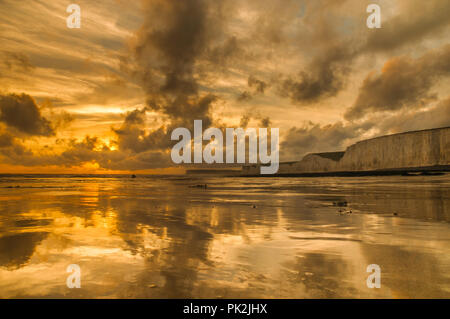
[[409, 151]]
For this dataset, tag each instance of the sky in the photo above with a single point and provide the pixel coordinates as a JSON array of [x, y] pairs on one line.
[[104, 98]]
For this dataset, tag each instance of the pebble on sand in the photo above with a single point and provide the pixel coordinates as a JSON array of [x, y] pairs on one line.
[[341, 203], [205, 186]]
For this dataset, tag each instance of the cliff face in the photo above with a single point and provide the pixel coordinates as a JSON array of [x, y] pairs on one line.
[[419, 149], [404, 150]]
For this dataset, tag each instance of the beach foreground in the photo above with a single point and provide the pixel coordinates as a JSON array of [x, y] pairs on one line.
[[170, 237]]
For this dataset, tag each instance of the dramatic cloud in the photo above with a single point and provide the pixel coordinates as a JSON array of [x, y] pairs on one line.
[[12, 151], [326, 75], [137, 70], [416, 19], [316, 138], [22, 113], [403, 81], [330, 59], [411, 120], [175, 37], [325, 78], [89, 150], [133, 136]]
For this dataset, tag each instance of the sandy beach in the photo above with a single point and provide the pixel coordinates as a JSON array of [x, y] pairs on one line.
[[163, 237]]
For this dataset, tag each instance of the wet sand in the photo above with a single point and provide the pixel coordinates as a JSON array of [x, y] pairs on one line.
[[159, 237]]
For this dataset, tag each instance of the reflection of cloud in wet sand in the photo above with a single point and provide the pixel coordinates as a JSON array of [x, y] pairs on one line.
[[176, 256], [16, 250], [410, 274], [157, 238]]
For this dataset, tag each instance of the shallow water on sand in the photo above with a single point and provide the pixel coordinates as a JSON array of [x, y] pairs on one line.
[[159, 237]]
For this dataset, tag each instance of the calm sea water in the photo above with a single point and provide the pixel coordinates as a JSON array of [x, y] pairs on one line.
[[162, 237]]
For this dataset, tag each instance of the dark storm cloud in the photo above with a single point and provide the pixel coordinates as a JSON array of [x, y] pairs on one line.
[[403, 82], [79, 152], [22, 113], [133, 136], [177, 35], [325, 77], [136, 116], [179, 38], [169, 54]]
